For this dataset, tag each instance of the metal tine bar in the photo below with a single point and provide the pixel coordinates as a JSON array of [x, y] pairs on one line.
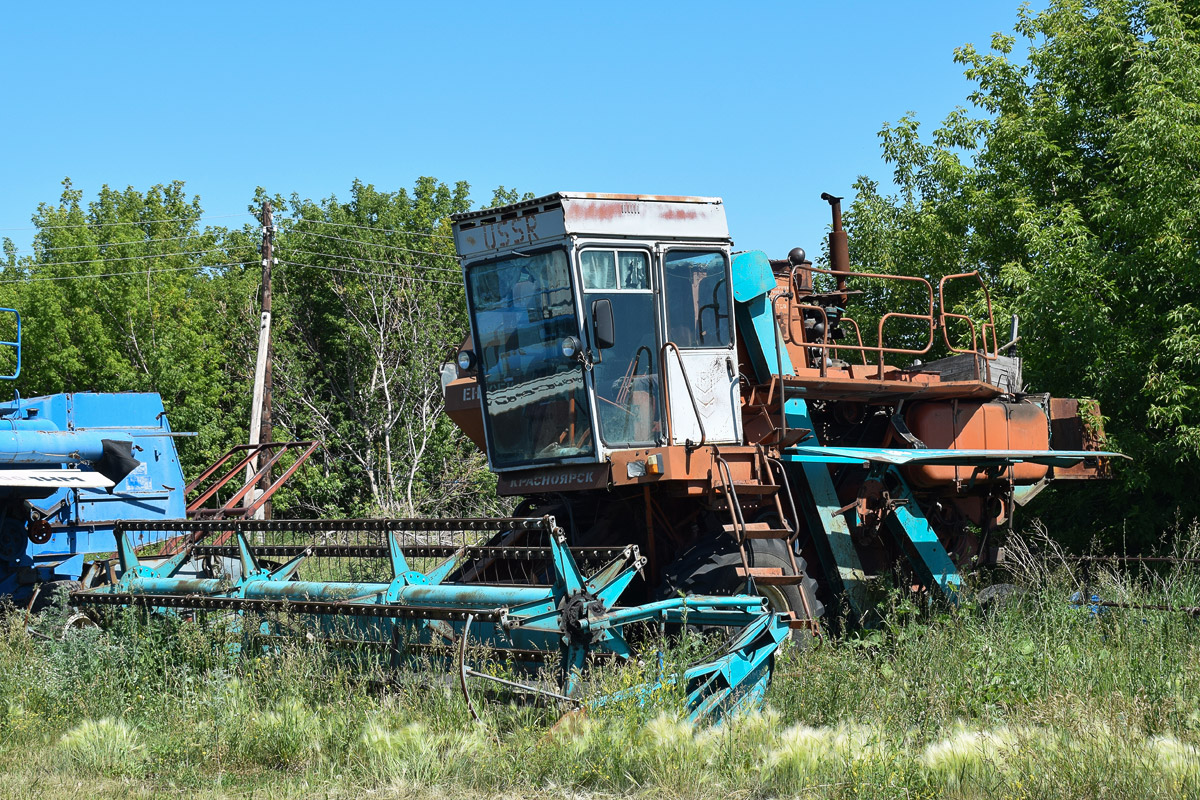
[[283, 478], [240, 494]]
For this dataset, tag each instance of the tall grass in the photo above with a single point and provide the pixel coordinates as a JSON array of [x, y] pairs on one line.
[[1035, 699]]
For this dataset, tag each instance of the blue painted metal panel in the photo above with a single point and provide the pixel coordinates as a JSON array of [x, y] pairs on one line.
[[900, 456], [908, 524], [752, 275], [66, 429]]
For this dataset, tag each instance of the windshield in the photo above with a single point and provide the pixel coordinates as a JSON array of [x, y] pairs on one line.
[[535, 404]]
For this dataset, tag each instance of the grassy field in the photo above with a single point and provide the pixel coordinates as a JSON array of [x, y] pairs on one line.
[[1034, 699]]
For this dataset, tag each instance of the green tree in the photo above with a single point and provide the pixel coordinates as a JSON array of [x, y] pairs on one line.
[[1076, 191], [130, 293], [370, 305]]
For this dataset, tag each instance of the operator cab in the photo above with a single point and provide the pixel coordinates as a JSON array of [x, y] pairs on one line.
[[599, 322]]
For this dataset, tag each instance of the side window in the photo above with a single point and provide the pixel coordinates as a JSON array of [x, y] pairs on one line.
[[697, 295], [599, 270], [606, 270]]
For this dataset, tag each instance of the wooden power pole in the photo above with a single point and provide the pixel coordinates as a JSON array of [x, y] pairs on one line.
[[260, 412]]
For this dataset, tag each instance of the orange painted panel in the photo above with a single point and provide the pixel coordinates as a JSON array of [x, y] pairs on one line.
[[977, 426]]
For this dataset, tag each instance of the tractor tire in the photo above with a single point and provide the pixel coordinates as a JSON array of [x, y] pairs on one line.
[[51, 593], [710, 567]]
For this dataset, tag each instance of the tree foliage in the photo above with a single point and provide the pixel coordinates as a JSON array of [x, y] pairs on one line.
[[1074, 188], [132, 292]]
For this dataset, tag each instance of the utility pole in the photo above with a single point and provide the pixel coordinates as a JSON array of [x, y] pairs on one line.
[[260, 411]]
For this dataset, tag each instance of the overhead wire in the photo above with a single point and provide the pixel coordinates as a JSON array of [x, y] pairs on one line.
[[370, 244], [284, 246], [369, 274], [401, 231], [127, 222], [149, 271], [122, 244], [122, 258]]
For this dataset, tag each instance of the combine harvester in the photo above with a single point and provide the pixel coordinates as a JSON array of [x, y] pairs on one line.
[[699, 437]]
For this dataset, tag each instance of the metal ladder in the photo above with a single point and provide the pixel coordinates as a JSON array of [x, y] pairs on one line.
[[764, 485]]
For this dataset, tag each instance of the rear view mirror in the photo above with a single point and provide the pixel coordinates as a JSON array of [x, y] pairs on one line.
[[603, 335]]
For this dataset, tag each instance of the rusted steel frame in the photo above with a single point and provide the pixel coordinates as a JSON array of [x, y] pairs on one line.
[[238, 496], [857, 335], [687, 383], [412, 551], [307, 607], [880, 349], [210, 491], [252, 451], [282, 479], [943, 315], [360, 524], [824, 339]]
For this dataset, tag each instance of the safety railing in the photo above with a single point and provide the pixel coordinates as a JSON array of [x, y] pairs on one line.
[[879, 349], [979, 339]]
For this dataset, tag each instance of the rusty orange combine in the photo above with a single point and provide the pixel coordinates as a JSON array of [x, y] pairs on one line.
[[724, 411]]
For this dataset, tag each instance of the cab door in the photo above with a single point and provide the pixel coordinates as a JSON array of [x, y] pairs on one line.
[[625, 377], [697, 313]]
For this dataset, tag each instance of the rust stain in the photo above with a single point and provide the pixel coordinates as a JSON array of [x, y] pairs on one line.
[[679, 213], [597, 211]]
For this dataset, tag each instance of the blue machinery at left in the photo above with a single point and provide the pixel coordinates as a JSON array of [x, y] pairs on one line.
[[476, 579]]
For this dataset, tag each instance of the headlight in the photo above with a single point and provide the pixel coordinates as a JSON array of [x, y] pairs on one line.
[[466, 360], [570, 347]]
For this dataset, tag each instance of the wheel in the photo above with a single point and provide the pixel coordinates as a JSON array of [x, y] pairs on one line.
[[710, 567], [995, 597], [48, 594]]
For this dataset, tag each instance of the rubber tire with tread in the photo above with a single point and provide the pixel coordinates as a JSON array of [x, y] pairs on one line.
[[710, 567], [50, 591]]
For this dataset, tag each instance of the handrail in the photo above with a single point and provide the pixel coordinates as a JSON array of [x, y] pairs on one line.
[[779, 363], [662, 358], [880, 349], [982, 337]]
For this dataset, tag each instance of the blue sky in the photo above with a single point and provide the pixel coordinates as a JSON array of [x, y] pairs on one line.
[[764, 104]]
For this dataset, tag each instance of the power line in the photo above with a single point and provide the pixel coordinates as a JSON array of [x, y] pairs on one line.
[[119, 274], [369, 260], [401, 231], [121, 244], [132, 222], [371, 274], [123, 258], [373, 244]]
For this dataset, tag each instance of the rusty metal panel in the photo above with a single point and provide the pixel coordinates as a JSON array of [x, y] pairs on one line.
[[978, 426], [647, 215], [1076, 428], [531, 228], [553, 479]]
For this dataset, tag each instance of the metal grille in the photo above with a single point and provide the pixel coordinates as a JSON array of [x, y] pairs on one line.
[[494, 551]]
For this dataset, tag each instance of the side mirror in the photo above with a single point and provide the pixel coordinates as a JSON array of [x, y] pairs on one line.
[[603, 335]]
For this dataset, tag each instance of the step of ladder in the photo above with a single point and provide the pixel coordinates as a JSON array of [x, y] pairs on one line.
[[744, 489], [802, 624], [759, 530], [769, 576]]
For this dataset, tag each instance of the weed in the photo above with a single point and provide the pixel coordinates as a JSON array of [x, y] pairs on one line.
[[105, 747]]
